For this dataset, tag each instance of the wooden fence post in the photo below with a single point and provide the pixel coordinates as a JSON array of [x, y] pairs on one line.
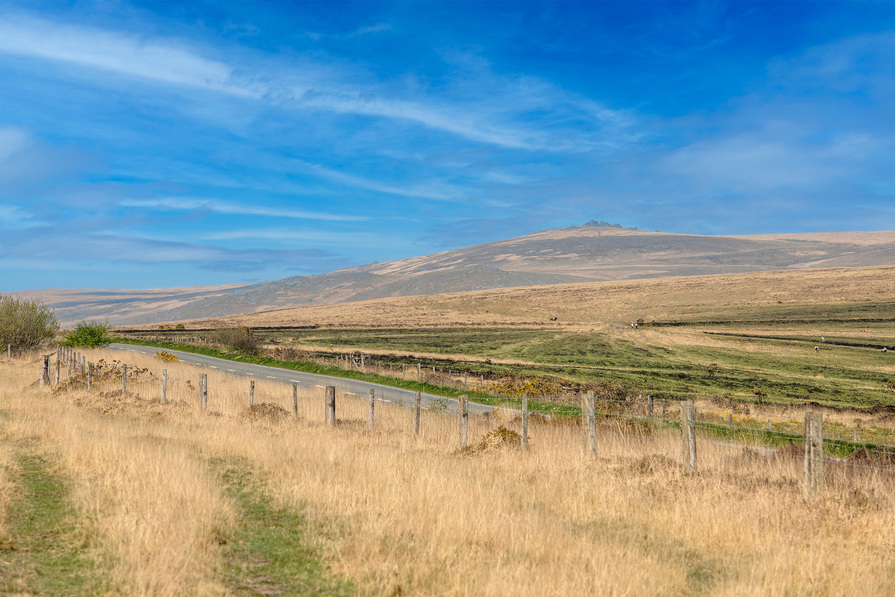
[[57, 369], [294, 401], [588, 412], [89, 376], [252, 392], [649, 406], [45, 371], [68, 360], [124, 378], [688, 435], [814, 453], [330, 406], [8, 352], [463, 408], [419, 372], [203, 391], [164, 396], [525, 421], [416, 415], [372, 406]]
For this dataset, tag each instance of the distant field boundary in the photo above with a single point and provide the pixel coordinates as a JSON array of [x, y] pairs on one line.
[[766, 321], [801, 339]]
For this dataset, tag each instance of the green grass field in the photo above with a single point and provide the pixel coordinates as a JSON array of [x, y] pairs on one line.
[[675, 362], [743, 353]]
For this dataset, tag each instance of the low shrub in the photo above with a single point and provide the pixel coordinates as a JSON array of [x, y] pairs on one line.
[[536, 389], [167, 356], [90, 334], [241, 340]]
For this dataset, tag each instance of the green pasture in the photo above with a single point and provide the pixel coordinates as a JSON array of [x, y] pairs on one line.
[[746, 365]]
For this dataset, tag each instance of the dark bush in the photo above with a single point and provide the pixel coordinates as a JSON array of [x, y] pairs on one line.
[[240, 340], [91, 334], [25, 324]]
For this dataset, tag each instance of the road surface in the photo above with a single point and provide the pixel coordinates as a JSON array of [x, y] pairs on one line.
[[311, 380]]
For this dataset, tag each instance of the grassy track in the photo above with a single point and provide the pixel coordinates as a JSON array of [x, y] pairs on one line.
[[46, 553], [268, 553]]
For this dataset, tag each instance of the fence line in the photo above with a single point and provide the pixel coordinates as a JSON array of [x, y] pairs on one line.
[[813, 438]]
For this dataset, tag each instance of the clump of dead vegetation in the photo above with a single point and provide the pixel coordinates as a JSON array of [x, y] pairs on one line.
[[105, 373], [496, 439], [265, 412]]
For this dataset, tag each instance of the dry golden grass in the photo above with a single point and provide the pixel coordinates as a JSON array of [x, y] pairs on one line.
[[413, 516], [591, 305], [7, 467]]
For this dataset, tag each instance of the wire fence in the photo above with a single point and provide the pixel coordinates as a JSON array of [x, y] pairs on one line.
[[715, 440]]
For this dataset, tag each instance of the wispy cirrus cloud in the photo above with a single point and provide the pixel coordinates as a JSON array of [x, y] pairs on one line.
[[502, 116], [302, 236], [15, 217], [224, 207], [432, 190], [131, 55], [377, 28], [135, 248], [860, 62], [13, 139]]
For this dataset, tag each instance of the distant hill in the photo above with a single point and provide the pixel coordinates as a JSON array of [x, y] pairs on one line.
[[593, 252]]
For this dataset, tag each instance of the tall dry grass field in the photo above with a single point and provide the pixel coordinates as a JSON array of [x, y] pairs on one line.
[[400, 515]]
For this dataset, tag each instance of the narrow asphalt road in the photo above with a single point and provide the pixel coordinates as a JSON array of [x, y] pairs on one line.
[[311, 380]]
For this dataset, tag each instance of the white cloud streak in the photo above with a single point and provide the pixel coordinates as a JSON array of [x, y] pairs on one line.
[[13, 139], [436, 191], [440, 119], [496, 118], [128, 55], [316, 237], [223, 207]]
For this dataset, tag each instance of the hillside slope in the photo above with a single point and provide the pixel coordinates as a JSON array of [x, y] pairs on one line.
[[850, 294], [565, 255]]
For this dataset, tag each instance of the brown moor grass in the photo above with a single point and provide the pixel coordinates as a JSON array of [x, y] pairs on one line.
[[592, 304], [415, 516]]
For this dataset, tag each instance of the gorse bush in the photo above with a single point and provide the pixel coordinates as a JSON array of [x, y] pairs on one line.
[[167, 356], [91, 334], [240, 340], [536, 389], [25, 324]]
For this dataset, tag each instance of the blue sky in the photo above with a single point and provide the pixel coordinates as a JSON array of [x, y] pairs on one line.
[[162, 144]]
